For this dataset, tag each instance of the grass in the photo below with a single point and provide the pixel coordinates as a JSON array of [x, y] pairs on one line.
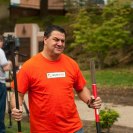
[[13, 128], [112, 78]]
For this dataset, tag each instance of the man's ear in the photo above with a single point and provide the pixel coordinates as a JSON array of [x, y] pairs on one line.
[[44, 39]]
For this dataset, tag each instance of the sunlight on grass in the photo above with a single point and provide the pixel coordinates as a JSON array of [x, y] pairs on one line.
[[117, 78]]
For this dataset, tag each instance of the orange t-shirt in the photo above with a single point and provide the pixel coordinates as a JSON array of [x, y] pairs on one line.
[[51, 96]]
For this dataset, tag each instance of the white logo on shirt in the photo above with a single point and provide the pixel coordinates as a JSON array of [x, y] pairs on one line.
[[56, 75]]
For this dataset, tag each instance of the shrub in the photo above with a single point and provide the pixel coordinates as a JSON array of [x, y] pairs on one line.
[[107, 118]]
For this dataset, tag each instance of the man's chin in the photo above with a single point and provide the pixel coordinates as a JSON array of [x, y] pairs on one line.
[[59, 51]]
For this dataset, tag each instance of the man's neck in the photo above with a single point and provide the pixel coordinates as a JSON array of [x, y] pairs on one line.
[[50, 57]]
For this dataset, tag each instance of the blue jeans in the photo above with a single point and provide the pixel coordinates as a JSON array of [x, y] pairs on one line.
[[80, 131], [2, 106]]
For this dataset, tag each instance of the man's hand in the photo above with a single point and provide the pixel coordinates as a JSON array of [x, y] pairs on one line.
[[94, 103], [17, 113]]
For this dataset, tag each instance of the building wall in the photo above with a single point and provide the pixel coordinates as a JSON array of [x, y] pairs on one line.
[[56, 4], [30, 37], [52, 4], [30, 3], [16, 12], [32, 8]]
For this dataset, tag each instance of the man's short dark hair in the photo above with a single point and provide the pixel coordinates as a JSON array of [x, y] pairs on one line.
[[49, 29]]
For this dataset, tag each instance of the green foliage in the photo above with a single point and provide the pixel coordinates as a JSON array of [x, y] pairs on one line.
[[108, 117], [4, 1], [101, 30], [111, 35], [81, 27], [113, 32], [42, 22]]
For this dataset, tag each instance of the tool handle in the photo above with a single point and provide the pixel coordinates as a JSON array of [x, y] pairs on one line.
[[94, 91]]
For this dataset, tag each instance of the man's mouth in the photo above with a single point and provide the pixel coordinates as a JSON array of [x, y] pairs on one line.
[[59, 48]]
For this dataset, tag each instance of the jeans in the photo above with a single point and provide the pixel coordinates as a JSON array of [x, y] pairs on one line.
[[2, 106], [80, 131]]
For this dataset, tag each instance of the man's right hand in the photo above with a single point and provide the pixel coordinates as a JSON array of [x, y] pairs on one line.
[[17, 113]]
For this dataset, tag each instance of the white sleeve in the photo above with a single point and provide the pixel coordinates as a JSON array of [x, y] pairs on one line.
[[3, 60]]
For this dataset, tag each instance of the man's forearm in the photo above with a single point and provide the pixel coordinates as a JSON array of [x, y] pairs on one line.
[[13, 100], [89, 99], [84, 95]]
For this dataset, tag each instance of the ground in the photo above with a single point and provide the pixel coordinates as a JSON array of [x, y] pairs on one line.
[[89, 127], [116, 96]]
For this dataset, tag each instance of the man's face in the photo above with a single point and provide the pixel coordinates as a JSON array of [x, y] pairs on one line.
[[55, 43], [1, 43]]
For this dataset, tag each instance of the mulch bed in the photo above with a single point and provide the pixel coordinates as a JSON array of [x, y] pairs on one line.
[[117, 96], [89, 127]]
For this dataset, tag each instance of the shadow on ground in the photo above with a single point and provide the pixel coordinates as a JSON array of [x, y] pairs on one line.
[[89, 127]]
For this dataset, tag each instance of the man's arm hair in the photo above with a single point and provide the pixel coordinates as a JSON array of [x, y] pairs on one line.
[[21, 98], [85, 94]]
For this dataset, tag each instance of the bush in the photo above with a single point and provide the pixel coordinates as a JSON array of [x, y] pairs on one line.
[[107, 118]]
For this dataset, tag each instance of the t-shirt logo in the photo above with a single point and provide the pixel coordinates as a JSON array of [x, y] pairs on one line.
[[56, 75]]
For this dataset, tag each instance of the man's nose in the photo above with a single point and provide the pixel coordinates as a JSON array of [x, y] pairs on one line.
[[60, 42]]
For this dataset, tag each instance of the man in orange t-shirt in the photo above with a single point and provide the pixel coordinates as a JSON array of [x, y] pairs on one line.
[[50, 78]]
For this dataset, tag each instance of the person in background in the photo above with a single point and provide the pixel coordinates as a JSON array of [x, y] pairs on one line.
[[5, 65], [50, 78]]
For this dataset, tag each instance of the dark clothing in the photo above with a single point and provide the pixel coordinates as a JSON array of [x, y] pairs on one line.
[[2, 106], [80, 131]]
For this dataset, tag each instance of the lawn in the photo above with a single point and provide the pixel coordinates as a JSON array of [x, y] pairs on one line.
[[112, 78], [13, 128]]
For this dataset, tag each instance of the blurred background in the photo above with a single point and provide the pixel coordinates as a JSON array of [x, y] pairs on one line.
[[101, 30]]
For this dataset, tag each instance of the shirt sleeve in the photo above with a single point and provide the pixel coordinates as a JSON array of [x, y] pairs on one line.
[[80, 81], [3, 60]]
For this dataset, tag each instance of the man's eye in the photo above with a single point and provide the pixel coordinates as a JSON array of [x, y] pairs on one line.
[[55, 39], [62, 41]]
